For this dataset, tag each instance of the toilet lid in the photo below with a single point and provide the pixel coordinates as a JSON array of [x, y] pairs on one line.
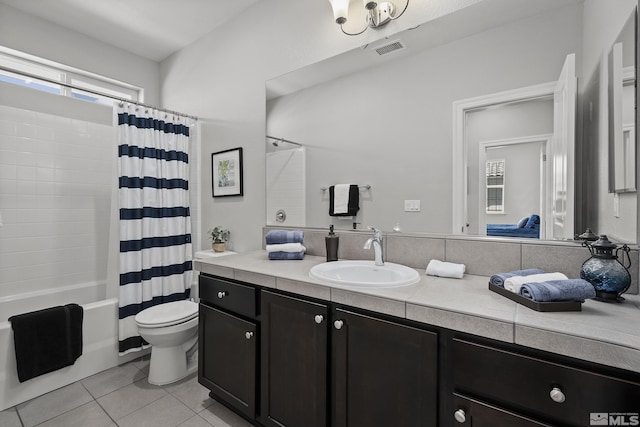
[[170, 313]]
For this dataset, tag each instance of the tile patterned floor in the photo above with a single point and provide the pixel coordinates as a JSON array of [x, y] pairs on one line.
[[121, 396]]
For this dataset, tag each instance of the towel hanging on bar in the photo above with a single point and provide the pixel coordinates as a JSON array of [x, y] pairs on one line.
[[344, 200]]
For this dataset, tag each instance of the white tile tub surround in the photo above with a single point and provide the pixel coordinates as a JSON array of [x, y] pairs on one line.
[[56, 179]]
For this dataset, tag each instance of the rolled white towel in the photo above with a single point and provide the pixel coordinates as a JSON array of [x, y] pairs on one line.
[[286, 247], [514, 283], [445, 269]]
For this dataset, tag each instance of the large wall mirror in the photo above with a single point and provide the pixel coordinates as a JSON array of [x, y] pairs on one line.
[[382, 117]]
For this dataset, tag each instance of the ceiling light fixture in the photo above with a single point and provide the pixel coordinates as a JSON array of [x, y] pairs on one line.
[[378, 14]]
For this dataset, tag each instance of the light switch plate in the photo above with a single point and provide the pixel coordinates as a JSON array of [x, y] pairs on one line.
[[412, 205]]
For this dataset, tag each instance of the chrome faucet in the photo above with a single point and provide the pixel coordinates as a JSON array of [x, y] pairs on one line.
[[377, 246]]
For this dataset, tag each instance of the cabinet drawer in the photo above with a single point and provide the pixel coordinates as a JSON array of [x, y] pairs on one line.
[[231, 296], [473, 413], [529, 385]]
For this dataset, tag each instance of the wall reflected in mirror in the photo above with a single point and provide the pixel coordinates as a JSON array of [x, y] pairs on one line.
[[621, 102], [387, 122]]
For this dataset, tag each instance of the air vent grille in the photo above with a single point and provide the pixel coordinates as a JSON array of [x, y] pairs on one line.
[[390, 47]]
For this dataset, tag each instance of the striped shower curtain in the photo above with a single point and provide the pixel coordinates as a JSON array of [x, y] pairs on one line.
[[155, 223]]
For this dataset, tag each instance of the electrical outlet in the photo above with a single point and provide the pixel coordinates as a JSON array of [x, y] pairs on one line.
[[412, 205]]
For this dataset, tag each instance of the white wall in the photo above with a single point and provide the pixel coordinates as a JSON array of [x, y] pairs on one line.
[[35, 36], [221, 78]]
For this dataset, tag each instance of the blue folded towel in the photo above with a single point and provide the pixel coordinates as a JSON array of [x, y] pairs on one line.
[[277, 237], [286, 255], [558, 290], [499, 278]]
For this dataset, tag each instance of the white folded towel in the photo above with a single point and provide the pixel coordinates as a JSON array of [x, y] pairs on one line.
[[445, 269], [514, 283], [341, 198], [286, 247]]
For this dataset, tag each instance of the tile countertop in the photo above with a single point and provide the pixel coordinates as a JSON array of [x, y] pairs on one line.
[[604, 333]]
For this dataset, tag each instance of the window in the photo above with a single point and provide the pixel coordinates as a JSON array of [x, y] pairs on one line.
[[36, 73], [495, 186]]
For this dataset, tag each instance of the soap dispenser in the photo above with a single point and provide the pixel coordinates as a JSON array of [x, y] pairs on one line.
[[332, 242]]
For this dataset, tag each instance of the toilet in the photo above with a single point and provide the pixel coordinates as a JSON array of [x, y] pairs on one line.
[[172, 330]]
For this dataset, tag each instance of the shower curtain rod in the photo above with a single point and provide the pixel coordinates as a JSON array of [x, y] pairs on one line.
[[284, 140], [95, 92]]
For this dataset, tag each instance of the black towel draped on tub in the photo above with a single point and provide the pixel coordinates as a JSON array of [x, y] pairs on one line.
[[47, 340]]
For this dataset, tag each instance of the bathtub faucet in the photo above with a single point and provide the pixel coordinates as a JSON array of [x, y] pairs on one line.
[[376, 240]]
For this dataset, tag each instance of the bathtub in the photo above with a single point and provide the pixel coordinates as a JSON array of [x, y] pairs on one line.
[[100, 339]]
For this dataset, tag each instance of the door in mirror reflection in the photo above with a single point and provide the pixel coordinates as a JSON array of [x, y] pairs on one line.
[[515, 189], [563, 150]]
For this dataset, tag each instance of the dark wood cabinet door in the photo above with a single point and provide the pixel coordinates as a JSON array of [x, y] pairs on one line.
[[293, 362], [384, 373], [472, 413], [227, 358]]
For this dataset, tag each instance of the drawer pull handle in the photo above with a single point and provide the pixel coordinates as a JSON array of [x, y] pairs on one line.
[[248, 335], [460, 416], [222, 294], [319, 318], [338, 324], [557, 395]]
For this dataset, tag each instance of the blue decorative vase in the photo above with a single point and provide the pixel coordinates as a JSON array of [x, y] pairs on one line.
[[604, 270]]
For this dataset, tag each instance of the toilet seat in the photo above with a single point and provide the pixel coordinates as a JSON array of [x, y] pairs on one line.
[[167, 314]]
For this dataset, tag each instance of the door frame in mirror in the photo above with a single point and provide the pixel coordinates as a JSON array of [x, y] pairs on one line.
[[459, 167]]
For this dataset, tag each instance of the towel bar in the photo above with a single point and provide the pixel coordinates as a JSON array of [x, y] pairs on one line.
[[366, 187]]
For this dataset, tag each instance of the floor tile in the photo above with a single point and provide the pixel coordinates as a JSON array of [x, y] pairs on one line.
[[87, 415], [112, 379], [165, 412], [9, 418], [142, 363], [128, 399], [190, 392], [219, 416], [52, 404], [195, 421]]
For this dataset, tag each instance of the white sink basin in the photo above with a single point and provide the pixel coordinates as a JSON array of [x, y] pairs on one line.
[[364, 274]]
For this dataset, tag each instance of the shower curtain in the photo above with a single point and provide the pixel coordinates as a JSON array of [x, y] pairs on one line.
[[155, 262]]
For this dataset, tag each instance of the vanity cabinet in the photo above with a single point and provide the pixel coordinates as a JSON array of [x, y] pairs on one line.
[[293, 361], [228, 343], [534, 387], [384, 373], [283, 360]]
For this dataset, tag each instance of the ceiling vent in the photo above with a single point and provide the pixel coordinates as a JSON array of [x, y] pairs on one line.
[[390, 47]]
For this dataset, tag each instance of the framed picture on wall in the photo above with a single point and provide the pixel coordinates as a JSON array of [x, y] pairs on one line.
[[226, 172]]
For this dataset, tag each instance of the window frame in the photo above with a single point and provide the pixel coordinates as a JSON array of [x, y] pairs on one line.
[[501, 187]]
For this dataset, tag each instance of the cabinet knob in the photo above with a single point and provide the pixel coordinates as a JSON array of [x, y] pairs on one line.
[[248, 335], [222, 294], [557, 395], [319, 318], [338, 324], [460, 416]]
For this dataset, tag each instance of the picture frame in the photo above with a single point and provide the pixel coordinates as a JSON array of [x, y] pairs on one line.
[[226, 173]]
